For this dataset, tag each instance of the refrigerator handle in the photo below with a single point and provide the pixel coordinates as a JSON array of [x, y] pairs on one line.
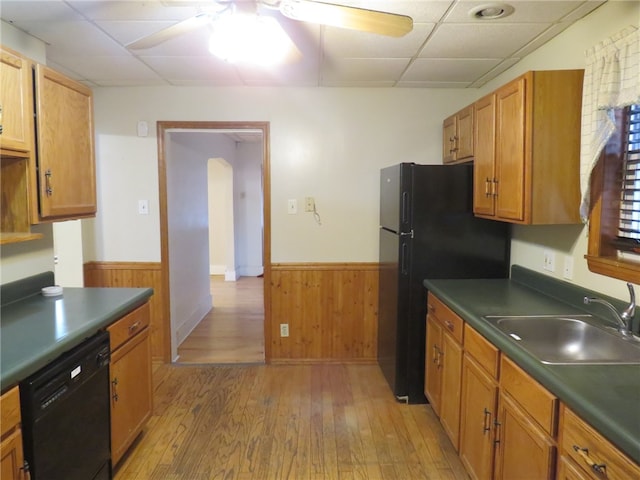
[[405, 207], [404, 259]]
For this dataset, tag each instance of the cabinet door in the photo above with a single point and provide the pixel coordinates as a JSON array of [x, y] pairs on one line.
[[11, 457], [16, 107], [449, 128], [523, 450], [478, 409], [567, 470], [510, 151], [433, 363], [464, 143], [131, 392], [66, 166], [484, 161], [450, 388]]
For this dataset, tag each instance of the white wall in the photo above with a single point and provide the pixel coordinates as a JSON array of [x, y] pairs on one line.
[[188, 234], [221, 248], [247, 208], [327, 143]]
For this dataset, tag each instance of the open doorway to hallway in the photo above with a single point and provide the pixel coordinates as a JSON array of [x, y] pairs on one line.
[[233, 331]]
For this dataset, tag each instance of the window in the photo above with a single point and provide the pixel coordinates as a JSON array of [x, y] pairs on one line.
[[614, 226]]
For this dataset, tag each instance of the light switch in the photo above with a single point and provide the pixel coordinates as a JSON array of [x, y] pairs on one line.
[[292, 206], [143, 207]]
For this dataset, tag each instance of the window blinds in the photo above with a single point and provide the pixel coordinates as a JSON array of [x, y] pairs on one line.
[[629, 225]]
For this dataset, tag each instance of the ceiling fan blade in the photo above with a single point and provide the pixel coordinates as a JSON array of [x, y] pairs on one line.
[[373, 21], [168, 33]]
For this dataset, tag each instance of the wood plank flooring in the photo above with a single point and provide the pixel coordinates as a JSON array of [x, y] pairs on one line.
[[298, 422], [233, 331]]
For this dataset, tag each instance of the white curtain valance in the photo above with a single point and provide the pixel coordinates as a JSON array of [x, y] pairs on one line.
[[611, 80]]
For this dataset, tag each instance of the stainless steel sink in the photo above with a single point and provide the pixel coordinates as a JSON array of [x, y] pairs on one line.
[[568, 339]]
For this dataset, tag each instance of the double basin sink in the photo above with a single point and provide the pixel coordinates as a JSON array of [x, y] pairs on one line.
[[568, 339]]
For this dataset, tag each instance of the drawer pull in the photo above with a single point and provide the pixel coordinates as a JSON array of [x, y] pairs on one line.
[[114, 392], [133, 327], [486, 426], [431, 308], [449, 325], [596, 467]]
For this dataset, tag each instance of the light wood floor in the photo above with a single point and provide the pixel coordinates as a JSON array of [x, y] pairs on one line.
[[233, 331], [298, 422]]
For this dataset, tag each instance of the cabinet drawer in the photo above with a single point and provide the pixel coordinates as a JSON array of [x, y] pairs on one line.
[[447, 318], [592, 452], [481, 350], [129, 325], [533, 397], [9, 410]]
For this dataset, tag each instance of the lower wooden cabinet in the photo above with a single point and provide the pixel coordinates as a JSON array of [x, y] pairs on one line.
[[523, 449], [585, 454], [443, 366], [478, 410], [12, 465], [131, 382]]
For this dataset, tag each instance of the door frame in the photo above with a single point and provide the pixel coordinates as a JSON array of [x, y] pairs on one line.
[[264, 127]]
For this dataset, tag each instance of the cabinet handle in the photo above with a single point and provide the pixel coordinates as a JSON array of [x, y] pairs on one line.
[[26, 469], [114, 384], [435, 354], [496, 425], [495, 187], [487, 187], [134, 327], [47, 181], [431, 308], [449, 325], [486, 423], [596, 467], [0, 119]]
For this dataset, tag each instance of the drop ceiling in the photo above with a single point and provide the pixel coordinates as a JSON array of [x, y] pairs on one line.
[[87, 40]]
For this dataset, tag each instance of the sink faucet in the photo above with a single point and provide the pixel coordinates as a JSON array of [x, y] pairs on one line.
[[623, 319]]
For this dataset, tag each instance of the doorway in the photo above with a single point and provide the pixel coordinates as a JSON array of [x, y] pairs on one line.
[[175, 271]]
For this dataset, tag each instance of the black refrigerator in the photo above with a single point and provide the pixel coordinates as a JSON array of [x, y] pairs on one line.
[[427, 230]]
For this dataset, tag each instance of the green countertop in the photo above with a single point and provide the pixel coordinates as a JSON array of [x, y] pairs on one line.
[[35, 330], [605, 396]]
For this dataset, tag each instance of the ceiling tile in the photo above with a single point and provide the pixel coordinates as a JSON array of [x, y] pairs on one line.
[[538, 11], [363, 69], [110, 68], [479, 40], [36, 11], [136, 10], [338, 42], [205, 70], [448, 69]]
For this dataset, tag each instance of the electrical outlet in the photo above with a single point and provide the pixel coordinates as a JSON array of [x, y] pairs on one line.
[[284, 329], [567, 272], [549, 262], [309, 204]]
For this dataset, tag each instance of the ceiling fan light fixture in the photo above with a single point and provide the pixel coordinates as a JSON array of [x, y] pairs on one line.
[[491, 11], [240, 38]]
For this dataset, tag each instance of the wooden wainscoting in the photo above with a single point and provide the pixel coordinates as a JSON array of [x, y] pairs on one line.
[[135, 274], [331, 309]]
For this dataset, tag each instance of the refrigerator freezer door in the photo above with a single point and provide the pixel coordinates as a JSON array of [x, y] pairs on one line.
[[395, 197]]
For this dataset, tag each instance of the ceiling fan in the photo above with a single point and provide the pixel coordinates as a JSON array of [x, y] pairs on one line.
[[342, 16]]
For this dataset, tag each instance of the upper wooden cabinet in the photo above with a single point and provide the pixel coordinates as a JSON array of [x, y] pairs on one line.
[[65, 151], [16, 104], [48, 172], [527, 147], [457, 136]]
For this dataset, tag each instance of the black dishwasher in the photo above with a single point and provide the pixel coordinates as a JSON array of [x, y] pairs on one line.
[[65, 415]]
